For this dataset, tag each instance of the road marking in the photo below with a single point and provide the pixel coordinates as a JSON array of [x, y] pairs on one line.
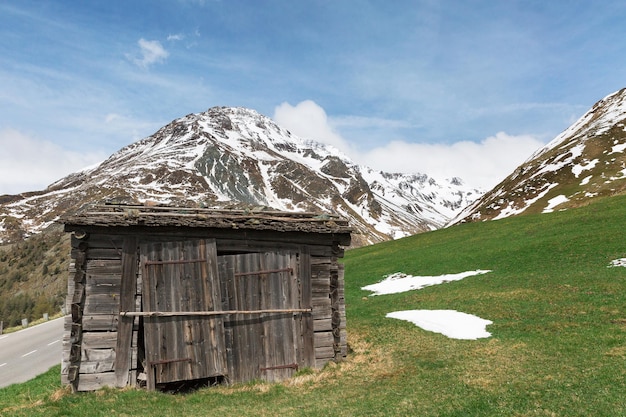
[[29, 353], [52, 343], [2, 364], [4, 337]]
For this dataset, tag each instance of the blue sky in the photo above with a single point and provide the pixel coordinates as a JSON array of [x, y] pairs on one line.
[[450, 88]]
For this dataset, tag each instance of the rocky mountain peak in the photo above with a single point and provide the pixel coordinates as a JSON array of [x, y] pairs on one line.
[[231, 157]]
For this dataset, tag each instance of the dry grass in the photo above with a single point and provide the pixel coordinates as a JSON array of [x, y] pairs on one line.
[[617, 351], [364, 361], [21, 407], [61, 393], [493, 365]]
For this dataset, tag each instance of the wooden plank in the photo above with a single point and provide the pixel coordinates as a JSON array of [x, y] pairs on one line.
[[335, 307], [70, 292], [211, 331], [78, 297], [270, 297], [104, 253], [151, 336], [100, 322], [281, 343], [95, 367], [92, 382], [321, 362], [232, 244], [323, 339], [322, 314], [307, 321], [103, 267], [316, 241], [101, 303], [322, 325], [103, 284], [213, 313], [98, 354], [246, 344], [321, 303], [226, 274], [99, 340], [128, 287], [296, 325], [324, 352]]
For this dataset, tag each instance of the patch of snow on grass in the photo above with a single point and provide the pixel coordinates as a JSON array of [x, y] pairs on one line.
[[618, 262], [450, 323], [399, 282], [586, 180], [562, 160], [553, 202], [511, 210], [578, 168], [618, 148]]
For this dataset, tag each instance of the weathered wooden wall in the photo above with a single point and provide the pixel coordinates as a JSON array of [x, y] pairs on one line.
[[91, 329], [182, 277], [104, 348]]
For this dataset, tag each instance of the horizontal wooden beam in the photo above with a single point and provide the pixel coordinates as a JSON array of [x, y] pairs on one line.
[[210, 313], [175, 262], [267, 271]]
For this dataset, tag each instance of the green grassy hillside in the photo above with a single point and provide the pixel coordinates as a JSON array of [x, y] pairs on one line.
[[33, 276], [558, 344]]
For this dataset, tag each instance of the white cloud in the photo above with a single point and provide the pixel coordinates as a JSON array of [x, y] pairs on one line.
[[127, 127], [483, 164], [309, 121], [151, 52], [480, 164], [176, 37], [368, 122], [112, 117], [30, 164]]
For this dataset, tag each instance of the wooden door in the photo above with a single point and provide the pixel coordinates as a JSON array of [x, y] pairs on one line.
[[180, 279], [267, 345]]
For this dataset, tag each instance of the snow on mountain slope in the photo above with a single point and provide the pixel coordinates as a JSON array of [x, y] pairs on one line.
[[235, 157], [585, 161]]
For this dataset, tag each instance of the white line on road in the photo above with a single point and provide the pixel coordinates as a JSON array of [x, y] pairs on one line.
[[2, 364], [52, 343], [3, 337], [29, 353]]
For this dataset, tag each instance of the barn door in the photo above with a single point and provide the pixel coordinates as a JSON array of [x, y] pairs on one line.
[[267, 345], [180, 279]]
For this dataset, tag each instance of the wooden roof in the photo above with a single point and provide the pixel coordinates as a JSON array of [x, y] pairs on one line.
[[120, 215]]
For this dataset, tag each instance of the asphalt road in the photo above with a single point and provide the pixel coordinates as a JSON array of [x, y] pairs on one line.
[[30, 352]]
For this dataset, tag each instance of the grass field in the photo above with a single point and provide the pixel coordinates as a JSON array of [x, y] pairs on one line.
[[558, 344]]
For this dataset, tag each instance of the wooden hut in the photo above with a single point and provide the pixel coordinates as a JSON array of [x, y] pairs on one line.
[[171, 295]]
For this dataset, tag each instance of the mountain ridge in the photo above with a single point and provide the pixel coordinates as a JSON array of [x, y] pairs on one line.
[[235, 157], [585, 161]]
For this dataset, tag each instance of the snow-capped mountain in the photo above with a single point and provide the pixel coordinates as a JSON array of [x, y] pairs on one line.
[[235, 157], [585, 161]]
